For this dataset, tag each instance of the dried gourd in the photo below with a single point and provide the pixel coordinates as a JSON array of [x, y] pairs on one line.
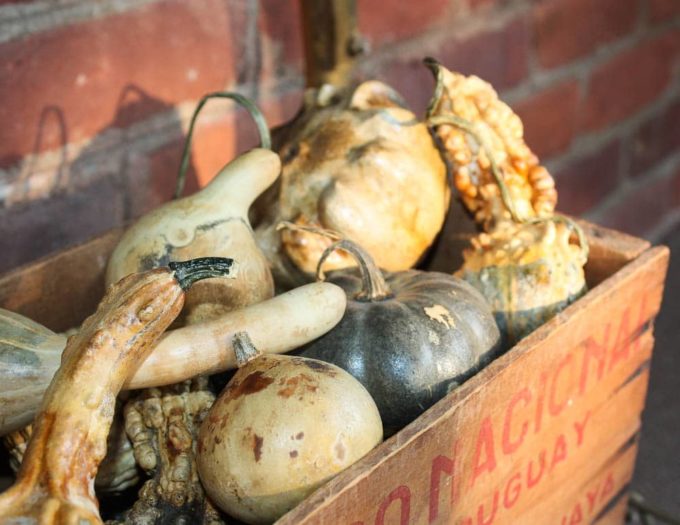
[[55, 483], [358, 163], [210, 223], [529, 261], [163, 424], [31, 353], [283, 426]]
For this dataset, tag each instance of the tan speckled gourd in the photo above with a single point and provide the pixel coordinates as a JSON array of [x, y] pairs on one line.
[[358, 163], [55, 484], [283, 426]]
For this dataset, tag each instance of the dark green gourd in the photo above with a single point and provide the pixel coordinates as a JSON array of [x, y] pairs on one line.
[[409, 337]]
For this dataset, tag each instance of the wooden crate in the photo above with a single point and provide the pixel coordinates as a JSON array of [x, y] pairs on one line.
[[545, 434]]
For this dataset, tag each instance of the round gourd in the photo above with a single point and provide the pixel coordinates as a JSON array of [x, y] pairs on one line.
[[409, 337], [283, 426]]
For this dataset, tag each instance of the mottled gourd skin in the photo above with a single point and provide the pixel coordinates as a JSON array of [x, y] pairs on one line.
[[163, 425], [360, 164], [211, 223], [29, 355], [527, 273], [282, 427], [411, 349]]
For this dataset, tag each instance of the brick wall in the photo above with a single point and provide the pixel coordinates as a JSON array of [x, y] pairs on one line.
[[95, 98]]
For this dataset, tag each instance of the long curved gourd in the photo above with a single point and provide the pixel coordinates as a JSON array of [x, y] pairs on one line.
[[361, 164], [527, 263], [30, 353], [212, 222], [55, 484]]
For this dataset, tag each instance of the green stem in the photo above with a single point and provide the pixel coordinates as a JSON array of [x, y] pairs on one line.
[[249, 105], [373, 284], [188, 272], [373, 287]]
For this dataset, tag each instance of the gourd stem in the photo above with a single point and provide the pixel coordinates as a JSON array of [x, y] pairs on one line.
[[188, 272], [373, 285], [244, 348], [468, 127], [249, 105]]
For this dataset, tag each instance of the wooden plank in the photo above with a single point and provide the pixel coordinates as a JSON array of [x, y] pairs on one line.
[[60, 291], [476, 437], [609, 251]]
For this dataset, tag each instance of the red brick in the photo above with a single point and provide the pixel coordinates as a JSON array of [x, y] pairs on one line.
[[498, 56], [630, 81], [215, 143], [38, 228], [568, 29], [644, 207], [170, 50], [587, 181], [661, 10], [280, 22], [549, 118], [384, 21], [411, 79], [656, 139]]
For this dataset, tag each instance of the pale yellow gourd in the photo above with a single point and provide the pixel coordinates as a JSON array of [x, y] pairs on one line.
[[211, 223]]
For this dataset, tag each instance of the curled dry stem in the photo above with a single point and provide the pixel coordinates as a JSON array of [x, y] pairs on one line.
[[249, 105]]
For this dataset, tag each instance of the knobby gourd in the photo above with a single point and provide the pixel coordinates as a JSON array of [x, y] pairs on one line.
[[117, 471], [361, 164], [529, 261], [212, 222], [31, 353], [283, 426], [55, 483], [163, 424], [408, 337]]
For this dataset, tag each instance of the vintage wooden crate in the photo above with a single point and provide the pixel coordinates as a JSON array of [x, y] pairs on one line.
[[546, 434]]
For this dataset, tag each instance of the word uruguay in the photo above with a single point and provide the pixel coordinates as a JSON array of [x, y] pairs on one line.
[[503, 436]]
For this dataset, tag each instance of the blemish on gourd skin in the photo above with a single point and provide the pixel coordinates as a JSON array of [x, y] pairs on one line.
[[257, 446], [340, 450], [440, 314], [255, 382], [433, 337]]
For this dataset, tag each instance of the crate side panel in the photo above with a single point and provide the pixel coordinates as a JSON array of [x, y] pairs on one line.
[[465, 448], [61, 290]]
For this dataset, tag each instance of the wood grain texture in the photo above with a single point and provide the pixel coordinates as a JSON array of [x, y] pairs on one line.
[[60, 291]]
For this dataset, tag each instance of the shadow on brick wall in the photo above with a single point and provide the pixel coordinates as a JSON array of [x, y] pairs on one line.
[[122, 172]]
